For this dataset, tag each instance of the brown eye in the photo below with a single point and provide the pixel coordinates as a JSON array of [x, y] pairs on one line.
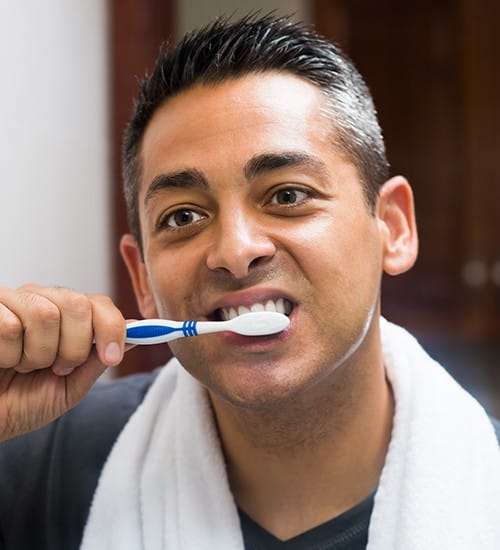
[[182, 217], [289, 196]]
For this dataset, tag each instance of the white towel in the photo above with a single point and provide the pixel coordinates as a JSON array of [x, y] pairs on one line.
[[440, 486], [164, 485]]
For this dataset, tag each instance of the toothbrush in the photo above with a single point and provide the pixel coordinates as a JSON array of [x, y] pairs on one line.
[[157, 331]]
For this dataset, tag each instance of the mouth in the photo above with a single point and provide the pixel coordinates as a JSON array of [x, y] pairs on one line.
[[280, 305]]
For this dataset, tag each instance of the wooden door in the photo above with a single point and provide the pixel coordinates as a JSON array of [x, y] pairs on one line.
[[433, 68], [137, 31]]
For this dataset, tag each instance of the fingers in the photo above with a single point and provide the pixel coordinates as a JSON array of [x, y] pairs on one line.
[[11, 338], [43, 327], [109, 330], [41, 333], [37, 320], [76, 330]]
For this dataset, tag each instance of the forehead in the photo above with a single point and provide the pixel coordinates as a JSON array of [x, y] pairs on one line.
[[220, 126]]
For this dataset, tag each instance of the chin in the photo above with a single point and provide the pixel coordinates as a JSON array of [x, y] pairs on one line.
[[261, 389]]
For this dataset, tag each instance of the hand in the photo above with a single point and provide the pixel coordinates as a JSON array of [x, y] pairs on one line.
[[48, 361]]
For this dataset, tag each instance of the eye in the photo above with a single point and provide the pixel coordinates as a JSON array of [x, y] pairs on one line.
[[289, 195], [181, 218]]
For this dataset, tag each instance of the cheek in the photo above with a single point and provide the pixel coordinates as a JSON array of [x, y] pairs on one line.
[[318, 247], [339, 255], [173, 277]]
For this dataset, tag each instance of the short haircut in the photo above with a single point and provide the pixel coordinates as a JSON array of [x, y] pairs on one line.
[[225, 50]]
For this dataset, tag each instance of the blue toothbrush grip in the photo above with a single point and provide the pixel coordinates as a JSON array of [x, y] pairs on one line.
[[150, 331], [160, 331]]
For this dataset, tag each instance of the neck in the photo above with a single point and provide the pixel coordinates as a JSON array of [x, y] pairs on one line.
[[296, 466]]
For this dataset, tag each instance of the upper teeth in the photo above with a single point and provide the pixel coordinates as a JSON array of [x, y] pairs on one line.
[[281, 306]]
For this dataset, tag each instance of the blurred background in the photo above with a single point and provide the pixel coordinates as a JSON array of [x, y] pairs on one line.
[[70, 70]]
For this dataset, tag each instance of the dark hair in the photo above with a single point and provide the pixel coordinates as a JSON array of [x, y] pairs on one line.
[[225, 49]]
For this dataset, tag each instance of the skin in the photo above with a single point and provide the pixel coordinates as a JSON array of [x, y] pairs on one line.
[[45, 334], [305, 416], [312, 404]]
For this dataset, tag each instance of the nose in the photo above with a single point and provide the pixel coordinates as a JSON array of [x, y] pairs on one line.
[[241, 243]]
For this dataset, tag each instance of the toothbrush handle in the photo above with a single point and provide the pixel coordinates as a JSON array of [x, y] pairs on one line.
[[157, 331]]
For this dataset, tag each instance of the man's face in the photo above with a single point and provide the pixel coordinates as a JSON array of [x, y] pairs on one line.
[[246, 203]]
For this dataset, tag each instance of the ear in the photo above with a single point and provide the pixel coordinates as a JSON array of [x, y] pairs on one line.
[[396, 216], [137, 271]]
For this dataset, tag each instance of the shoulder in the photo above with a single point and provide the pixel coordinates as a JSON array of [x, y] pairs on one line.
[[61, 464]]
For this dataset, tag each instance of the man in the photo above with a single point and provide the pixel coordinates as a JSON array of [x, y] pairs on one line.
[[256, 178]]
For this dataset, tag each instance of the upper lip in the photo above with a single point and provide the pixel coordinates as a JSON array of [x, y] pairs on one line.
[[247, 298]]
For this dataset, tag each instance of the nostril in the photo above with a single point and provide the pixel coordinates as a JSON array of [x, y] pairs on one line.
[[257, 262], [239, 251]]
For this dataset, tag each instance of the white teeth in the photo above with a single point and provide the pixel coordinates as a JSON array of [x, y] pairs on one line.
[[242, 310], [270, 306], [281, 306]]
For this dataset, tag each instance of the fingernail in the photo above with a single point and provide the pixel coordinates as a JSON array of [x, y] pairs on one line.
[[112, 353], [64, 372]]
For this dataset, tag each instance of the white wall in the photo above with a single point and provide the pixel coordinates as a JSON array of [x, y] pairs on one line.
[[54, 144], [54, 135]]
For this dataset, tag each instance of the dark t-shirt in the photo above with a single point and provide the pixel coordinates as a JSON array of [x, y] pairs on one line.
[[48, 479], [349, 531]]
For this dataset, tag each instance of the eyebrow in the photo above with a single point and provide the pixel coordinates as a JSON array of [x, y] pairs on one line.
[[256, 166], [190, 178], [268, 162]]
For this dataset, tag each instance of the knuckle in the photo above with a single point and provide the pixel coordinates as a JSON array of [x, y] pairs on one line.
[[29, 288], [78, 304], [101, 299], [11, 329], [45, 312]]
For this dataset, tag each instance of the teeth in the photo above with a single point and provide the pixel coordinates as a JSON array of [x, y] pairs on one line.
[[270, 306], [281, 306]]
